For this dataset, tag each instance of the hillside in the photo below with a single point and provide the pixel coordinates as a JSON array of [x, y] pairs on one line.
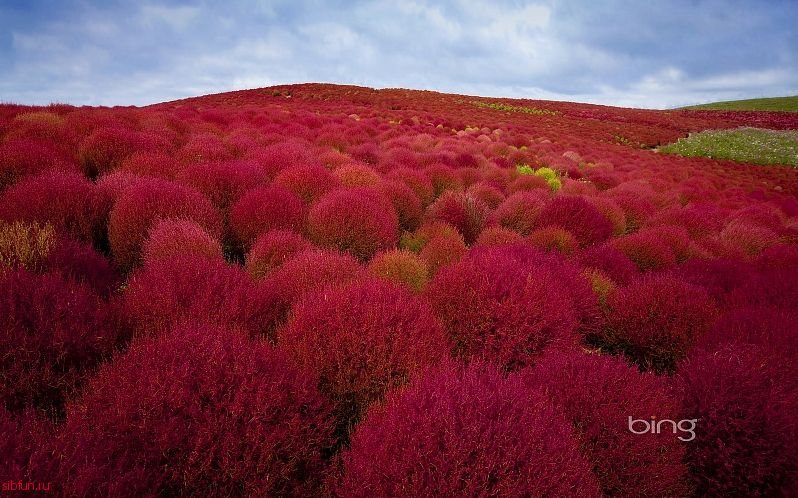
[[785, 104], [321, 290]]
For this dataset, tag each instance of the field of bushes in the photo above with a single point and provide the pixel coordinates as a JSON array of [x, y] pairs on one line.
[[320, 290]]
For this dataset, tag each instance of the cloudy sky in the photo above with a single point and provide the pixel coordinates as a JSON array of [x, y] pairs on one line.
[[632, 53]]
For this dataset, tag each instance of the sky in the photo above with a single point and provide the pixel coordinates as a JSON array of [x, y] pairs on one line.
[[635, 53]]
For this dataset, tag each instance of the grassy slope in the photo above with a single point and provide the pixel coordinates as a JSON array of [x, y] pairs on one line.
[[751, 145], [768, 104]]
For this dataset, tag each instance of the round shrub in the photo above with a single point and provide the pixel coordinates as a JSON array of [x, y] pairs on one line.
[[402, 267], [657, 319], [405, 202], [203, 148], [519, 212], [358, 221], [607, 258], [309, 182], [272, 249], [361, 340], [747, 237], [744, 398], [579, 217], [553, 238], [198, 412], [263, 209], [223, 183], [356, 175], [144, 203], [149, 163], [648, 251], [503, 304], [105, 148], [598, 393], [67, 201], [174, 237], [528, 183], [438, 244], [52, 333], [488, 194], [443, 178], [22, 157], [276, 157], [81, 263], [463, 211], [417, 181], [307, 271], [165, 292], [496, 235], [465, 433]]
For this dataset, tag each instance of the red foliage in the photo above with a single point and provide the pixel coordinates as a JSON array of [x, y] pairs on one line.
[[146, 202], [168, 291], [223, 182], [361, 340], [519, 212], [80, 263], [201, 412], [457, 432], [744, 399], [404, 201], [504, 305], [52, 333], [67, 201], [309, 182], [463, 211], [579, 217], [263, 209], [657, 319], [23, 157], [174, 237], [402, 267], [610, 261], [271, 249], [309, 270], [106, 147], [598, 394], [496, 235], [359, 221]]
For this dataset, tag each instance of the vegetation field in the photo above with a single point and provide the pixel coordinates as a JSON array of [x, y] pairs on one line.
[[335, 291], [751, 145], [787, 104]]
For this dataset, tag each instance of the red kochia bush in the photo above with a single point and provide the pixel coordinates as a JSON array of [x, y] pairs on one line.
[[361, 340], [402, 267], [405, 202], [496, 235], [173, 237], [519, 212], [463, 211], [744, 397], [579, 217], [52, 333], [191, 287], [598, 393], [272, 249], [307, 271], [309, 182], [80, 263], [67, 201], [198, 412], [610, 261], [21, 157], [223, 182], [106, 148], [465, 433], [504, 304], [359, 221], [657, 319], [263, 209], [147, 201]]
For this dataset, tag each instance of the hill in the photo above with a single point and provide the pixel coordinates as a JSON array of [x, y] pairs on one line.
[[785, 104]]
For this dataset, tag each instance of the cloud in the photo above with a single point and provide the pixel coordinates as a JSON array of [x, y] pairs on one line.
[[647, 54]]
